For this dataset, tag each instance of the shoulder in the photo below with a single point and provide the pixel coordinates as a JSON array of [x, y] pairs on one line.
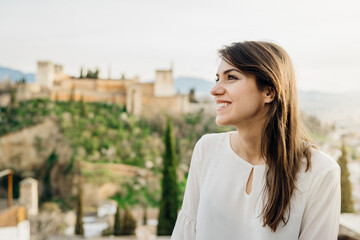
[[322, 166], [212, 138], [212, 143], [322, 163]]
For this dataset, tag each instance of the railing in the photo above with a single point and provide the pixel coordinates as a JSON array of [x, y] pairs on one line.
[[9, 173]]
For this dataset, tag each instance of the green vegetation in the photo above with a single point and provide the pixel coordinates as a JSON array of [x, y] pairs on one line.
[[102, 133], [347, 205], [79, 225], [117, 225], [124, 224], [128, 223], [81, 73], [169, 201], [18, 115], [47, 194], [92, 74], [89, 73]]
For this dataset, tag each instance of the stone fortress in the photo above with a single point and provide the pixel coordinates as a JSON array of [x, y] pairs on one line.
[[139, 98]]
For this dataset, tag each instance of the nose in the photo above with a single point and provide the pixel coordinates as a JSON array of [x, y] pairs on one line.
[[218, 89]]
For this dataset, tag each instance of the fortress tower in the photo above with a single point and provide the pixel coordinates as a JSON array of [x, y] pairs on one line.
[[164, 84], [47, 73]]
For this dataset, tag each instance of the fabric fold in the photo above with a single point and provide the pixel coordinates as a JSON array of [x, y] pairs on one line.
[[185, 227]]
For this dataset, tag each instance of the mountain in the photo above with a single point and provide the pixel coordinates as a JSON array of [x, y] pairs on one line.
[[15, 75], [201, 86]]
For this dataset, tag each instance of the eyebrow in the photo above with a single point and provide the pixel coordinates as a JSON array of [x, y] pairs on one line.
[[230, 70]]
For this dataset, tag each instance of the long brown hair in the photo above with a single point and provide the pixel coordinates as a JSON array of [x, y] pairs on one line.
[[284, 142]]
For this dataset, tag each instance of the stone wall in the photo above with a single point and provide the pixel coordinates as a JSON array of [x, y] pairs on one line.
[[134, 99], [92, 90], [172, 105], [4, 99], [88, 96]]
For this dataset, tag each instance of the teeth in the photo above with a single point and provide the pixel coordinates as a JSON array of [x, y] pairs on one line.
[[222, 104]]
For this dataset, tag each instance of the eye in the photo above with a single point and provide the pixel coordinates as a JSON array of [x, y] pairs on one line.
[[232, 77], [217, 79]]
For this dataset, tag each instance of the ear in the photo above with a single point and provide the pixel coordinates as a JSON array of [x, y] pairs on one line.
[[269, 94]]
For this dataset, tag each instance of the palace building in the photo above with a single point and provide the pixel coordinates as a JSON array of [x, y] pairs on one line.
[[139, 98]]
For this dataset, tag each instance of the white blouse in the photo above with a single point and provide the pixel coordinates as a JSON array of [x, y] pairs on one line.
[[216, 206]]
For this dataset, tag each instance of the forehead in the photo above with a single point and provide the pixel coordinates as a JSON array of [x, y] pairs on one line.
[[225, 66]]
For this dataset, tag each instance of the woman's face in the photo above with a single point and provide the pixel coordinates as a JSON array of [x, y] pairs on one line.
[[238, 100]]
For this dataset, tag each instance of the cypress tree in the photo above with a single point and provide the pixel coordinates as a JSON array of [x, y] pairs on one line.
[[145, 215], [347, 205], [83, 110], [79, 225], [96, 73], [11, 105], [117, 226], [128, 223], [169, 201]]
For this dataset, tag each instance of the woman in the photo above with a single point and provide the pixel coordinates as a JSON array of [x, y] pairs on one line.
[[264, 181]]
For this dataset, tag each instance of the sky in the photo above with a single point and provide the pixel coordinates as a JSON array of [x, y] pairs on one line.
[[136, 37]]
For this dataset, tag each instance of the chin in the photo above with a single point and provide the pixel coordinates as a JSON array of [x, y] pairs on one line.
[[221, 122]]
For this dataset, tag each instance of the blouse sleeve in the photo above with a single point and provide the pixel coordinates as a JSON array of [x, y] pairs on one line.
[[322, 211], [185, 226]]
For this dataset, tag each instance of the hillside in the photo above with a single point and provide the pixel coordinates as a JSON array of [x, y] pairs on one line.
[[98, 134]]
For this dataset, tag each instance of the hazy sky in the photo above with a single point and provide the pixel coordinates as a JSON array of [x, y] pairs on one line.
[[136, 37]]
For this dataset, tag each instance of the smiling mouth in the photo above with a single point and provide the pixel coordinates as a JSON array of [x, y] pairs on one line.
[[222, 105]]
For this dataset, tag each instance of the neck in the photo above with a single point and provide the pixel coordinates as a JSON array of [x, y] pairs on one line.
[[246, 142]]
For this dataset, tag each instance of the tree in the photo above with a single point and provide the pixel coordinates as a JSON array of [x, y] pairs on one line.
[[128, 223], [83, 110], [145, 215], [96, 73], [117, 226], [347, 205], [49, 165], [10, 107], [91, 74], [169, 201], [81, 72], [192, 95], [79, 225], [22, 80]]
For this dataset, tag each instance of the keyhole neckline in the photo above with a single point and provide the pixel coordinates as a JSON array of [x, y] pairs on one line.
[[250, 181]]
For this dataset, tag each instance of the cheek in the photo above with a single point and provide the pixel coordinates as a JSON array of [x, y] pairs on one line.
[[249, 101]]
